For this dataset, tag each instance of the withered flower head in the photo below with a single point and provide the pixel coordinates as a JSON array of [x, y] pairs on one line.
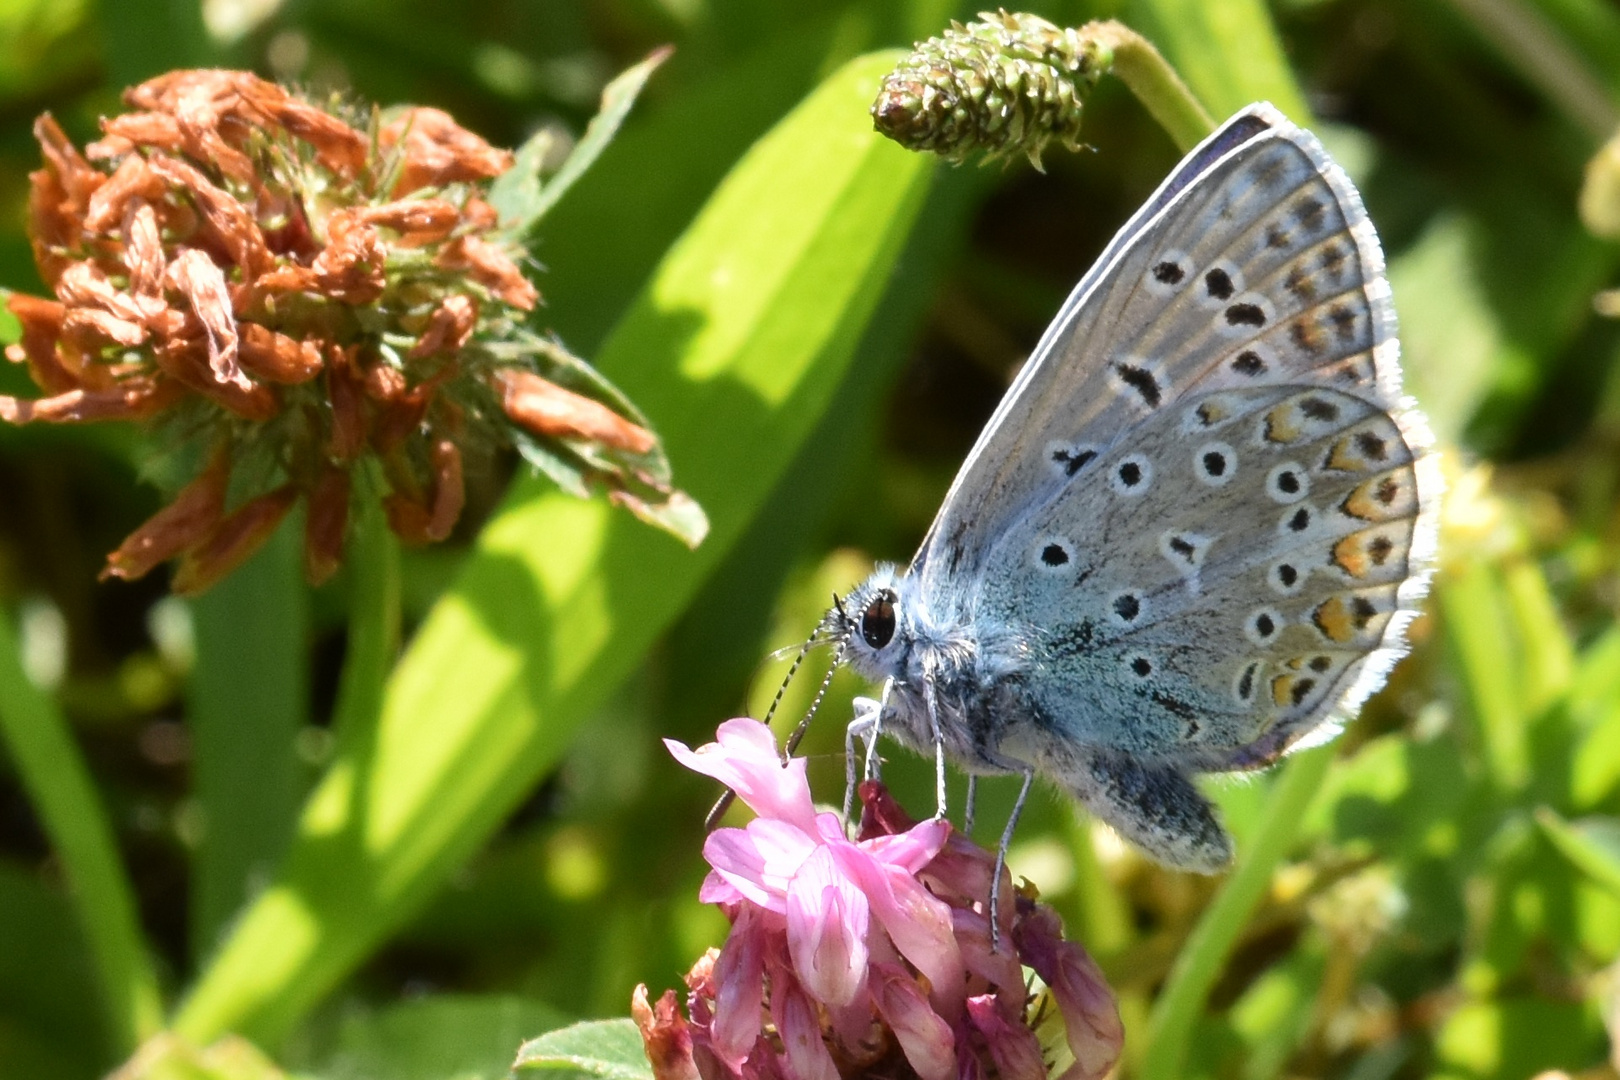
[[299, 296]]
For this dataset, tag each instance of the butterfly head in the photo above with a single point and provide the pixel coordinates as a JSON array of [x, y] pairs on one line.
[[873, 624]]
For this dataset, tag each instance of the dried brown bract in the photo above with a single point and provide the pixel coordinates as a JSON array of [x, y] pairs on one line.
[[302, 292]]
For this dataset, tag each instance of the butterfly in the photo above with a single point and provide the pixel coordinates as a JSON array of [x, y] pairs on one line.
[[1192, 534]]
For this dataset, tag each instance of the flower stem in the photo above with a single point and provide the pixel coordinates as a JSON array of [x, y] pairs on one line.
[[246, 704], [58, 784], [373, 624], [1148, 75], [1177, 1010]]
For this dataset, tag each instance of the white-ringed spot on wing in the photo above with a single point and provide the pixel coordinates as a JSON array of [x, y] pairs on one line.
[[1141, 666], [1253, 360], [1053, 555], [1069, 458], [1185, 550], [1243, 686], [1297, 521], [1286, 577], [1132, 476], [1215, 463], [1168, 274], [1140, 380], [1263, 625], [1126, 608], [1218, 284], [1246, 315], [1288, 483]]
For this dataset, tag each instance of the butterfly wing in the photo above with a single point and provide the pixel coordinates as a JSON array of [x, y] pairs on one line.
[[1203, 506]]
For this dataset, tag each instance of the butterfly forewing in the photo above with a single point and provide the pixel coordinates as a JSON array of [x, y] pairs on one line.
[[1200, 501]]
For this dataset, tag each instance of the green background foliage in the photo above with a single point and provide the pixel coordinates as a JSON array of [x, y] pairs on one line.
[[260, 813]]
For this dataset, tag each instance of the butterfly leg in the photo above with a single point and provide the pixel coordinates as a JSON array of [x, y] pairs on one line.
[[941, 800], [864, 729], [1153, 805], [1001, 854], [972, 804]]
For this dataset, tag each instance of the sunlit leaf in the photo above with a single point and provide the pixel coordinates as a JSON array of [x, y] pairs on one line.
[[520, 195], [610, 1049]]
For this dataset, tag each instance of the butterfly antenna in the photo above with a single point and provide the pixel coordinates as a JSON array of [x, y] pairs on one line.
[[797, 737], [723, 803]]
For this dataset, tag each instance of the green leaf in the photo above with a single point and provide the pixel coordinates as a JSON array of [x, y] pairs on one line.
[[518, 193], [1180, 1005], [1592, 844], [245, 707], [1227, 51], [1507, 1040], [610, 1049], [443, 1037], [61, 791], [735, 348]]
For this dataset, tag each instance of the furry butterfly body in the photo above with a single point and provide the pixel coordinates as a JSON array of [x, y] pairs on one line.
[[1191, 535]]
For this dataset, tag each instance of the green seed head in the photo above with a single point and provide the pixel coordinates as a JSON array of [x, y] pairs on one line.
[[1003, 85]]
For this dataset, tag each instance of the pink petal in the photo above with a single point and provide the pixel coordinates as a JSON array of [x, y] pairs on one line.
[[759, 860], [739, 864], [924, 1036], [827, 921], [1090, 1014], [918, 923], [1000, 969], [764, 1063], [1013, 1046], [799, 1027], [962, 870], [739, 988], [746, 760], [717, 890], [910, 851]]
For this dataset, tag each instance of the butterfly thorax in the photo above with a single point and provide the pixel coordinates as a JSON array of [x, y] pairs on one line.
[[968, 666]]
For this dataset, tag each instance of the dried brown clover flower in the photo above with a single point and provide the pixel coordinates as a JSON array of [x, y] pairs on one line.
[[303, 297]]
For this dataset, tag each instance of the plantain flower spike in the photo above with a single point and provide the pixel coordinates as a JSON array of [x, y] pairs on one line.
[[319, 305], [1004, 85]]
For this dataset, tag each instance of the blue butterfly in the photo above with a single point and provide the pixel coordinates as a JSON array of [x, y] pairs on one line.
[[1194, 530]]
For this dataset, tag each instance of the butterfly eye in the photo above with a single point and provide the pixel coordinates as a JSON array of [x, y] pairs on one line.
[[877, 621]]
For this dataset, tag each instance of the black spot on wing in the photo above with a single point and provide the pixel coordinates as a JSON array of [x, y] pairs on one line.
[[1168, 273], [1175, 706], [1310, 212], [1245, 315], [1073, 460], [1371, 446], [1318, 409], [1142, 381], [1219, 284]]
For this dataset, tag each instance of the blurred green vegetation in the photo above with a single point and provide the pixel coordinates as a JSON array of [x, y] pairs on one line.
[[499, 844]]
